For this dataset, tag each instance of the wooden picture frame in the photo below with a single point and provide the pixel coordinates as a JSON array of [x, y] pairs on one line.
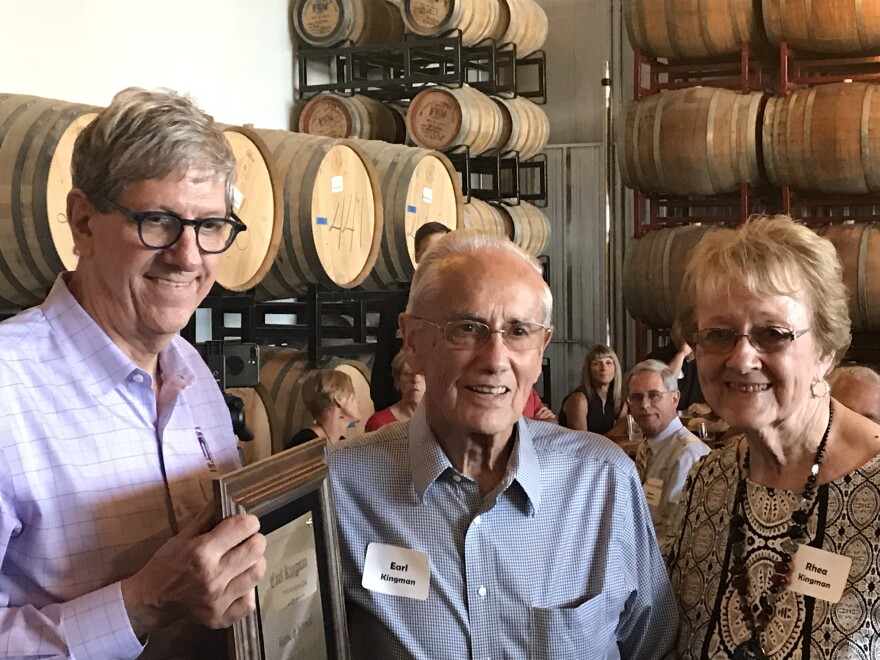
[[300, 602]]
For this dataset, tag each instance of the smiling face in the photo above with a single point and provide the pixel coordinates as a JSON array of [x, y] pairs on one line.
[[751, 390], [479, 391], [652, 416], [141, 297]]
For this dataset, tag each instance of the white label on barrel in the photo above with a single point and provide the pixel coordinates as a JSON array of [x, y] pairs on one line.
[[237, 198], [427, 195], [336, 183]]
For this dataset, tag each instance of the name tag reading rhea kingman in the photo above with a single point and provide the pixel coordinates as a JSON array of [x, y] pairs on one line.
[[819, 573], [396, 571]]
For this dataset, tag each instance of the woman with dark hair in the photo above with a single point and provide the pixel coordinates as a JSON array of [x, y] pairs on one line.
[[597, 404], [777, 549]]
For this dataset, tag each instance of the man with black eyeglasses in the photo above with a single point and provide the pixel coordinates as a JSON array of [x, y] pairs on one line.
[[668, 450], [112, 427], [472, 532]]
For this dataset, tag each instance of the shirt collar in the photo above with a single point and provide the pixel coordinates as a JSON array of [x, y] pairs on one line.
[[671, 428], [428, 461], [101, 363]]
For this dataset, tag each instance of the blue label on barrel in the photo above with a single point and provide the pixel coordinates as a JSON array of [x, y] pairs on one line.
[[410, 208], [320, 220]]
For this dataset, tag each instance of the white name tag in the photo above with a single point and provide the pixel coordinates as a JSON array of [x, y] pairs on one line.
[[396, 571], [653, 491], [819, 573]]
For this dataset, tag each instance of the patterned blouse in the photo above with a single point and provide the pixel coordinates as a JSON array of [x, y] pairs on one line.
[[845, 519]]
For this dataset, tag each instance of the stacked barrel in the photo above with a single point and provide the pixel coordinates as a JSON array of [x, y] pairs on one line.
[[453, 120], [697, 143]]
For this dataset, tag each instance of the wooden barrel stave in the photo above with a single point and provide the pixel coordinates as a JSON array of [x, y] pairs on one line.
[[325, 23], [444, 119], [858, 247], [825, 139], [842, 27], [259, 206], [476, 20], [696, 141], [654, 268], [332, 213], [418, 186], [684, 30]]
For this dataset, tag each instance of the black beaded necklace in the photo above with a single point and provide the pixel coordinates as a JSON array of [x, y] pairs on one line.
[[756, 619]]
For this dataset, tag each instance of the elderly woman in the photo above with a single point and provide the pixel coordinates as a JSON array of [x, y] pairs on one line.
[[776, 550], [411, 385], [328, 396], [596, 405]]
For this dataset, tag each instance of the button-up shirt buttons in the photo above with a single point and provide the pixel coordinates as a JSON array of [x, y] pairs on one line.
[[482, 591], [138, 378], [477, 520], [456, 478]]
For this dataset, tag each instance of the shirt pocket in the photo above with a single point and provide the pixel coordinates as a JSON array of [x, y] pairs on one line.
[[586, 631]]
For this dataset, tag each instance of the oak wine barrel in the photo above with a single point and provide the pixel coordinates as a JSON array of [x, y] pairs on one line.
[[332, 115], [825, 139], [653, 269], [858, 248], [526, 128], [257, 201], [325, 23], [695, 141], [332, 224], [522, 23], [445, 119], [484, 217], [36, 146], [689, 30], [429, 18], [527, 226], [418, 186], [838, 27]]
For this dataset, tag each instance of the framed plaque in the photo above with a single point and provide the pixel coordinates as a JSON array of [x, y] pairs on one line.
[[300, 610]]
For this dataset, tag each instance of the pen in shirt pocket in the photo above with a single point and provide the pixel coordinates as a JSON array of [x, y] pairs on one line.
[[206, 450]]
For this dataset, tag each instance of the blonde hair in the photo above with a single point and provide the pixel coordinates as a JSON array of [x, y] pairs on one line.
[[772, 256], [323, 388]]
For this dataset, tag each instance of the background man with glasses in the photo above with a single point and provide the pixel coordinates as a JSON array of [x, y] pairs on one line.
[[472, 532], [112, 427], [668, 451]]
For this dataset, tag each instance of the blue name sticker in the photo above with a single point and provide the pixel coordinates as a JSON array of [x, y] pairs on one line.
[[410, 208], [320, 220]]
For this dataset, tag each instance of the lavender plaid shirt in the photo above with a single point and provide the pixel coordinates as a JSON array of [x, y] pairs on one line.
[[560, 561], [93, 481]]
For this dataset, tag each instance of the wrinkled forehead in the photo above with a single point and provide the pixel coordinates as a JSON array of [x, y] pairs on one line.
[[469, 286]]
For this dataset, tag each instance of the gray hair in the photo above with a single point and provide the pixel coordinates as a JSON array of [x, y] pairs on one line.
[[856, 372], [426, 283], [670, 380], [146, 135]]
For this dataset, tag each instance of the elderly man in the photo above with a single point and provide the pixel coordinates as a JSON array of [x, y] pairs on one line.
[[858, 388], [112, 427], [668, 450], [471, 532]]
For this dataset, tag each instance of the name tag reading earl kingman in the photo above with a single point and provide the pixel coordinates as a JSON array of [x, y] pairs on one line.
[[396, 571]]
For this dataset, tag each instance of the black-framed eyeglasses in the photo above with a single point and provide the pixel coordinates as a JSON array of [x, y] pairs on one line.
[[653, 396], [764, 338], [465, 333], [158, 230]]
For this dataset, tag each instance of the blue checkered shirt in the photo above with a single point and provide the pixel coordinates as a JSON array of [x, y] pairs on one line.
[[559, 561]]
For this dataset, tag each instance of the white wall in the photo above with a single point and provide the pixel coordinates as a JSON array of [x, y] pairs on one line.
[[233, 56]]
